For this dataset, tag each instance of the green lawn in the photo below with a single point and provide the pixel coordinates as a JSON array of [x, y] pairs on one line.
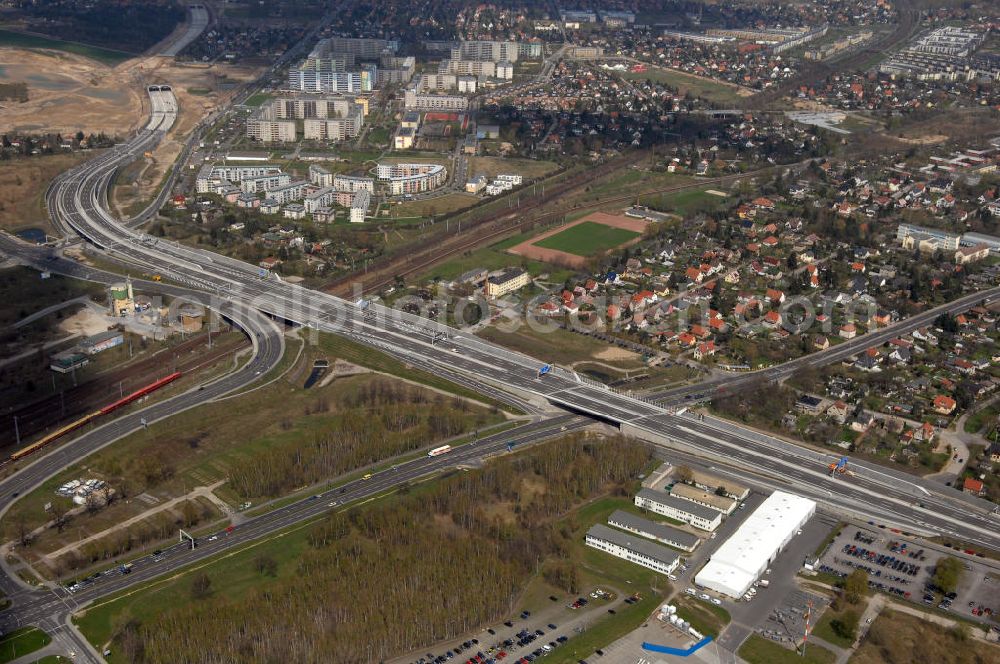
[[825, 631], [557, 345], [686, 202], [493, 257], [22, 641], [21, 40], [587, 239], [982, 418], [257, 99], [758, 650], [705, 617], [698, 86]]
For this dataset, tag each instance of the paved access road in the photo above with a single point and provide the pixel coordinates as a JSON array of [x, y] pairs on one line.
[[871, 494], [708, 389]]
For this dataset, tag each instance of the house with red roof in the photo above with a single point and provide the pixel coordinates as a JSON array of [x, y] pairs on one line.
[[944, 404], [704, 349], [973, 486]]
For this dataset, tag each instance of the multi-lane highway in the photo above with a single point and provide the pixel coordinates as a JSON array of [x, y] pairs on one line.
[[76, 202]]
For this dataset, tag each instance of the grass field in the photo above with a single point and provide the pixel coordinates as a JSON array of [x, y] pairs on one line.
[[825, 631], [557, 345], [707, 618], [438, 205], [494, 257], [21, 40], [587, 239], [22, 641], [22, 189], [529, 169], [696, 85], [257, 99], [901, 637], [758, 650], [686, 202]]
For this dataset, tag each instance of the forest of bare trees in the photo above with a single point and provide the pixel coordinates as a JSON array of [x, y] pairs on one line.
[[382, 580], [382, 420]]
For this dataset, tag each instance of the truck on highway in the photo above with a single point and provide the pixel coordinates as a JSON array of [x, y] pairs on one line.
[[438, 451]]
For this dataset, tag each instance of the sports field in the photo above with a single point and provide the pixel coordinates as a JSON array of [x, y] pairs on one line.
[[572, 244], [587, 238]]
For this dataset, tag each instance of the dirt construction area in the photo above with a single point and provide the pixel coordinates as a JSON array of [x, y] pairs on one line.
[[68, 93], [575, 241]]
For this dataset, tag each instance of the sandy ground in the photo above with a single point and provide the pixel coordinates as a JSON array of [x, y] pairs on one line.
[[615, 354], [67, 93], [556, 257], [85, 322]]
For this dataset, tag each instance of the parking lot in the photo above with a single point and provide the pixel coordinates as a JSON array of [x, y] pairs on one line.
[[527, 636], [903, 568]]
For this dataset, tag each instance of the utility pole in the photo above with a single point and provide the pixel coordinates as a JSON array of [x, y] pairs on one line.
[[805, 635]]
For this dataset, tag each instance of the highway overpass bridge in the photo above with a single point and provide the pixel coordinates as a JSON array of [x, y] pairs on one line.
[[75, 202]]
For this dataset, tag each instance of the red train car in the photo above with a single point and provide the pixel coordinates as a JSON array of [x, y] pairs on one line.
[[141, 392]]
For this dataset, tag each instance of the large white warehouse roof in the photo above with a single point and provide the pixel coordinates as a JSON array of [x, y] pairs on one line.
[[750, 550]]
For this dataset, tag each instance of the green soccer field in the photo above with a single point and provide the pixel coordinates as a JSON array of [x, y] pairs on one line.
[[587, 239]]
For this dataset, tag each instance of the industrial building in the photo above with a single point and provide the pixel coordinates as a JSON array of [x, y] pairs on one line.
[[747, 554], [102, 341], [664, 504], [652, 530], [633, 549]]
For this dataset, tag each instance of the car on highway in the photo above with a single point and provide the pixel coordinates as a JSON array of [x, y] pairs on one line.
[[366, 476]]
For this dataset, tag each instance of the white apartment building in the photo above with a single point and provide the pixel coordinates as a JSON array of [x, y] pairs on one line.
[[320, 177], [411, 178], [417, 101], [353, 183], [264, 182], [359, 206], [496, 51], [664, 504], [634, 549]]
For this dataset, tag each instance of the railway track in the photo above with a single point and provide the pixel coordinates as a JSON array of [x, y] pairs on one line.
[[55, 410], [421, 262]]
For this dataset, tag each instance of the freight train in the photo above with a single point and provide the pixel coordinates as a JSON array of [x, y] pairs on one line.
[[76, 424]]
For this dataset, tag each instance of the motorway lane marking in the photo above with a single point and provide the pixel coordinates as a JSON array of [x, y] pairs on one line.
[[795, 471]]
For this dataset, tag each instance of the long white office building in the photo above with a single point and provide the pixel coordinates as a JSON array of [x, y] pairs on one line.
[[662, 503], [652, 530], [743, 557], [634, 549]]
